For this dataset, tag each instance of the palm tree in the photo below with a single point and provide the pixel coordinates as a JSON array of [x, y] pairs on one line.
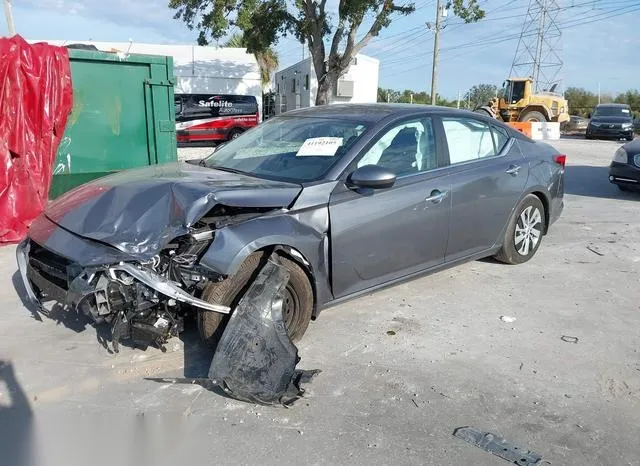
[[267, 59]]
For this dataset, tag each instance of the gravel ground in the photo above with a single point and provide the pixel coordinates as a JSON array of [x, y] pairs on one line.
[[380, 399], [186, 153]]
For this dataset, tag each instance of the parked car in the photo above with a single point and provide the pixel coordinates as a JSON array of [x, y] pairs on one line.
[[611, 121], [214, 117], [352, 197], [624, 170], [575, 124]]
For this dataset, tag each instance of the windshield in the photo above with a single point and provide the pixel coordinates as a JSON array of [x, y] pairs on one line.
[[612, 111], [288, 148]]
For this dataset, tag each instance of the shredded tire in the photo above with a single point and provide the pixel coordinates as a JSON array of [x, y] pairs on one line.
[[228, 292]]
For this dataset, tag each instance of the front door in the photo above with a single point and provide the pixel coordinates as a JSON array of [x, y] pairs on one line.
[[488, 176], [381, 235]]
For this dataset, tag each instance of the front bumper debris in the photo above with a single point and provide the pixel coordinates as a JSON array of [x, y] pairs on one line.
[[41, 277], [139, 304]]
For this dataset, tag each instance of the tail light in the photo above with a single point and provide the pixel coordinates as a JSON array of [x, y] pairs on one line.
[[560, 159]]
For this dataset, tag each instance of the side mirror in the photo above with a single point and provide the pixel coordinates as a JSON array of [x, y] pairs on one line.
[[372, 176]]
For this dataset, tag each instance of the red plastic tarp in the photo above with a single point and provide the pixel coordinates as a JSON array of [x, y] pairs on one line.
[[35, 101]]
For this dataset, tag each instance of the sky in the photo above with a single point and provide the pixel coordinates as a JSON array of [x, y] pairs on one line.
[[600, 46]]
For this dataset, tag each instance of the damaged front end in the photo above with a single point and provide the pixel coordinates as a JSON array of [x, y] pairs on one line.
[[142, 301]]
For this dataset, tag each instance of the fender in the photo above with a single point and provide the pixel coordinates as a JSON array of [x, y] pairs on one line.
[[305, 232]]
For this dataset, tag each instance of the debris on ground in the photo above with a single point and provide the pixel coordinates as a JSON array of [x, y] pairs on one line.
[[507, 319], [595, 250], [569, 339], [255, 360], [391, 332], [498, 446]]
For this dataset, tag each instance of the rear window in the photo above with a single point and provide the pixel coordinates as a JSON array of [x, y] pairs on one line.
[[500, 138]]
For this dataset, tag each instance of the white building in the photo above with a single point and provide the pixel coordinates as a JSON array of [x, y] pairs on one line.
[[297, 85], [198, 70]]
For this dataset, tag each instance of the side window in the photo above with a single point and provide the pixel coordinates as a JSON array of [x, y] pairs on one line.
[[467, 139], [406, 149], [500, 138]]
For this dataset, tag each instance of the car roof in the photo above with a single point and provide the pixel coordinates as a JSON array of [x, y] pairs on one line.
[[370, 113], [613, 105]]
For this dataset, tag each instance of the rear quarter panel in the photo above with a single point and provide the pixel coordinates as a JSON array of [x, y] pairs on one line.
[[545, 175]]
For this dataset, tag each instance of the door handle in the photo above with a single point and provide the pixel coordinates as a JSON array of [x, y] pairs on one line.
[[436, 196], [513, 170]]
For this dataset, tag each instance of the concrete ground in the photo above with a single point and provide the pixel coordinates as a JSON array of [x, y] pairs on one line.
[[381, 398]]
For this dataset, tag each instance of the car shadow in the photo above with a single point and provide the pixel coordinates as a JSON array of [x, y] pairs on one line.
[[16, 420], [18, 285], [197, 356], [75, 321], [593, 181]]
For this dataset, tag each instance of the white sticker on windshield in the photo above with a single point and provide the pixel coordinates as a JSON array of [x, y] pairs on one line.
[[326, 147], [625, 110]]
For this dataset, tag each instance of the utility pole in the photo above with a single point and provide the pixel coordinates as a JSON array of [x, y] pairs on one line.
[[388, 97], [436, 45], [9, 15], [598, 92], [458, 99], [411, 97]]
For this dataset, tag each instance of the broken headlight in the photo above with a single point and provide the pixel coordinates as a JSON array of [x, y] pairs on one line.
[[184, 255]]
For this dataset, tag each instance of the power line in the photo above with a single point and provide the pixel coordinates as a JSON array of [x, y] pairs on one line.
[[492, 39], [496, 41]]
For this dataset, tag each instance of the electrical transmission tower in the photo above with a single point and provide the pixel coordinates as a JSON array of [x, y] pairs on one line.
[[540, 46]]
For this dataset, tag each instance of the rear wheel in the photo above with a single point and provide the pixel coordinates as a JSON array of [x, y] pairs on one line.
[[524, 233], [623, 188], [297, 306], [630, 138], [234, 133], [533, 116]]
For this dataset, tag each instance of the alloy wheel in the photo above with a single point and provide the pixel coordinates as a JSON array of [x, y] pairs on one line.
[[528, 231]]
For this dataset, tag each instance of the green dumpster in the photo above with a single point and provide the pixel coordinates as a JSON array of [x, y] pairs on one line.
[[123, 117]]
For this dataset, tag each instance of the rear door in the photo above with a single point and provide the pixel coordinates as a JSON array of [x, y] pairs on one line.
[[380, 235], [489, 174]]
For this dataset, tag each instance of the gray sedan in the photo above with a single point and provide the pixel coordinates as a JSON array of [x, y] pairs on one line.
[[350, 197]]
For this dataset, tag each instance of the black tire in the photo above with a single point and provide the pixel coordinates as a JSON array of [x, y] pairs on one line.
[[630, 138], [234, 133], [532, 116], [297, 307], [516, 253], [623, 188], [588, 136]]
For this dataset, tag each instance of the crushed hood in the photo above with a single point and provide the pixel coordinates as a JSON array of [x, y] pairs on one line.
[[139, 211]]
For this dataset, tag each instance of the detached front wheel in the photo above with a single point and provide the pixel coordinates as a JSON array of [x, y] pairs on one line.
[[297, 307], [524, 233]]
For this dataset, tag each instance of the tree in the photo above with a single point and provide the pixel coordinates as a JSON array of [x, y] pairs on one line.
[[410, 96], [267, 59], [581, 101], [263, 22], [480, 94]]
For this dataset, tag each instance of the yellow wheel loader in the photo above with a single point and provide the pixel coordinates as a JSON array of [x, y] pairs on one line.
[[519, 103]]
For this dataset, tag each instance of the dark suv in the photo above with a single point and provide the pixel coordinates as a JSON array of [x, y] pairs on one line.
[[611, 121]]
